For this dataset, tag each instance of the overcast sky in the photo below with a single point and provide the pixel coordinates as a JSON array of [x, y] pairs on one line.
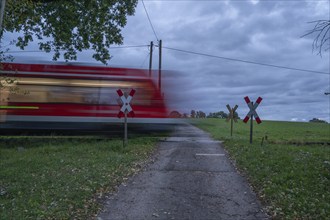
[[267, 32]]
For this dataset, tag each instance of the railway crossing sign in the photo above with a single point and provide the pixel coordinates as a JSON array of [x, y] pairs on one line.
[[126, 109], [231, 117], [252, 113], [125, 100], [231, 113]]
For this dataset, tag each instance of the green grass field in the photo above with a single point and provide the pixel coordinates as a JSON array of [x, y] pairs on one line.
[[291, 170], [66, 177], [63, 178]]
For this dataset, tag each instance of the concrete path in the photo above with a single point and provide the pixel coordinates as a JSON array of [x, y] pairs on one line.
[[191, 178]]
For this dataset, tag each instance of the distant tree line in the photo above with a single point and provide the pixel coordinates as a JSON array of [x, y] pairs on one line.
[[197, 114], [221, 114], [317, 120], [193, 114], [201, 114]]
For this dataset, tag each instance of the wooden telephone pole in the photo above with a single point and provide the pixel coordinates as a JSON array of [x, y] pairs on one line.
[[150, 60], [160, 67]]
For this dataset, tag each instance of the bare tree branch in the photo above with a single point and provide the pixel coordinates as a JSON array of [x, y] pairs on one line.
[[321, 41]]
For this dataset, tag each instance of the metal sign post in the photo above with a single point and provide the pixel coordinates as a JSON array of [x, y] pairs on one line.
[[251, 128], [125, 129], [231, 117], [252, 113], [126, 109]]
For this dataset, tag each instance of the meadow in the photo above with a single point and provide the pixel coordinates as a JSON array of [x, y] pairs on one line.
[[288, 164], [64, 177]]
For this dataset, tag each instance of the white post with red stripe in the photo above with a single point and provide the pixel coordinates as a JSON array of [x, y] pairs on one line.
[[252, 113], [126, 109]]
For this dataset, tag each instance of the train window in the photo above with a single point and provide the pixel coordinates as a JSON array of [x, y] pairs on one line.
[[143, 97], [89, 95], [64, 94], [108, 96], [34, 94]]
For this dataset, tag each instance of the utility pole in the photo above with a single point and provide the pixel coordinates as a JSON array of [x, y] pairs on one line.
[[150, 60], [160, 67]]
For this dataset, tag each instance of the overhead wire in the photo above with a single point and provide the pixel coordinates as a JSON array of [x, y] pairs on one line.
[[145, 59], [245, 61], [196, 53], [152, 27], [128, 46]]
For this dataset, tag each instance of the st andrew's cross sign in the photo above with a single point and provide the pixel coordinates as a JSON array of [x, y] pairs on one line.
[[126, 108], [231, 113], [231, 117], [252, 113], [125, 102]]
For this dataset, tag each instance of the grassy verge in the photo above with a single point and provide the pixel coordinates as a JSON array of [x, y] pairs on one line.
[[63, 178], [290, 171]]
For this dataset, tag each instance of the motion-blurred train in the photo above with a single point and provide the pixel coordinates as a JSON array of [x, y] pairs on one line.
[[66, 96]]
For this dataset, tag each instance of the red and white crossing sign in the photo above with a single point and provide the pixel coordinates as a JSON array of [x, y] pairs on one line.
[[125, 102], [231, 115], [252, 111]]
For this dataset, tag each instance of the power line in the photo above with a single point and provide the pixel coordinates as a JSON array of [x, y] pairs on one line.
[[145, 59], [41, 51], [132, 46], [245, 61], [145, 9]]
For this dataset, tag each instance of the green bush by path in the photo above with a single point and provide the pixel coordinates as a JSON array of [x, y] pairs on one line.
[[62, 178], [290, 171]]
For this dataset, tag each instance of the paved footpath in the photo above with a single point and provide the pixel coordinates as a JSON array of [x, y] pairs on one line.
[[191, 178]]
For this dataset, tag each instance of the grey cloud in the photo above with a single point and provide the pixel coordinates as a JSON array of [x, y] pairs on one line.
[[266, 32]]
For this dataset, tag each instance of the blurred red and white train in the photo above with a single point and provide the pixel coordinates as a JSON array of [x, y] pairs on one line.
[[74, 96]]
